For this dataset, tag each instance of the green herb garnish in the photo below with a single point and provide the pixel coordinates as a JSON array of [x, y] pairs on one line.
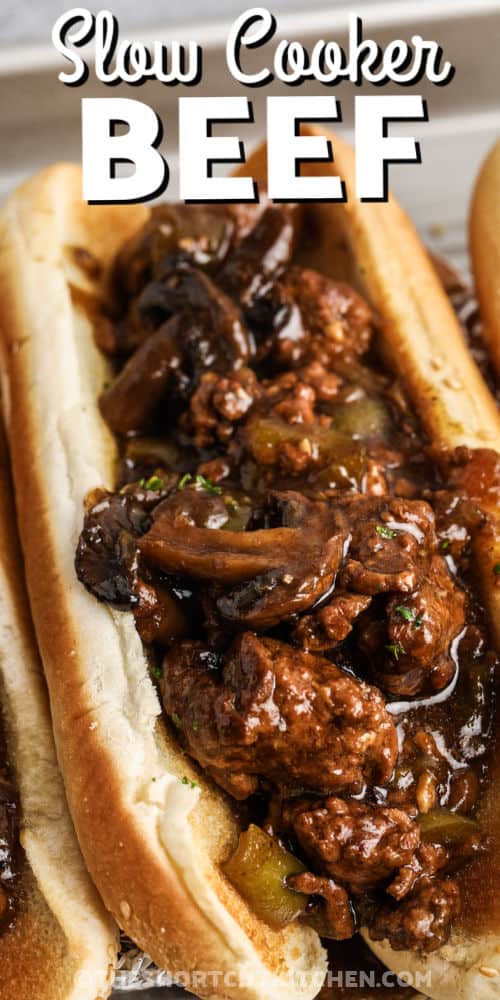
[[207, 485], [384, 531], [156, 671], [176, 720], [184, 481], [405, 613], [496, 569], [187, 781], [153, 483], [409, 615], [396, 649], [445, 544], [196, 726]]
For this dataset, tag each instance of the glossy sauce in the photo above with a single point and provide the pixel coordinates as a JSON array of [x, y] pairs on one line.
[[365, 437]]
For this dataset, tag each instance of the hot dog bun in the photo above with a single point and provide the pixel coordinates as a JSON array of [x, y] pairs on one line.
[[484, 234], [151, 843], [61, 943]]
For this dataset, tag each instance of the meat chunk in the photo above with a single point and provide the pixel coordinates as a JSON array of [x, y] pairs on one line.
[[281, 570], [279, 715], [423, 629], [218, 404], [422, 921], [357, 844], [457, 521], [390, 541], [332, 623], [336, 915], [314, 319], [426, 862]]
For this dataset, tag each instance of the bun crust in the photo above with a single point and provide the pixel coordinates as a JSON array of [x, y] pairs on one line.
[[484, 235], [62, 945], [152, 844]]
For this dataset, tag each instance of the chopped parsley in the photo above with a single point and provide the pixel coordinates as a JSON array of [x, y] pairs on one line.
[[384, 531], [156, 671], [496, 569], [207, 485], [187, 781], [196, 726], [201, 481], [445, 544], [409, 615], [395, 649], [153, 483], [176, 720]]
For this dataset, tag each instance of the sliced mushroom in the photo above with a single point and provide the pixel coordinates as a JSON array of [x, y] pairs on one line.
[[214, 333], [132, 398], [282, 570], [261, 255]]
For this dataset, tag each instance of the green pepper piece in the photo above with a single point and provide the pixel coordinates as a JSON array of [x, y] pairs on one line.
[[440, 826], [258, 869]]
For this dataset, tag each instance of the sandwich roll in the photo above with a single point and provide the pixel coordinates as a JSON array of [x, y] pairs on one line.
[[484, 229], [152, 830], [57, 941]]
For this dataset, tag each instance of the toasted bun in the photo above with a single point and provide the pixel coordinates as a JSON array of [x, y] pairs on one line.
[[62, 945], [153, 845], [376, 248], [484, 234]]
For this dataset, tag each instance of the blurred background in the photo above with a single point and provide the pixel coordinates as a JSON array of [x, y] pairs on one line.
[[31, 20]]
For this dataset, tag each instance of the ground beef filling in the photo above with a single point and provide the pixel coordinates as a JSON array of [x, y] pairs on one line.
[[298, 565]]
